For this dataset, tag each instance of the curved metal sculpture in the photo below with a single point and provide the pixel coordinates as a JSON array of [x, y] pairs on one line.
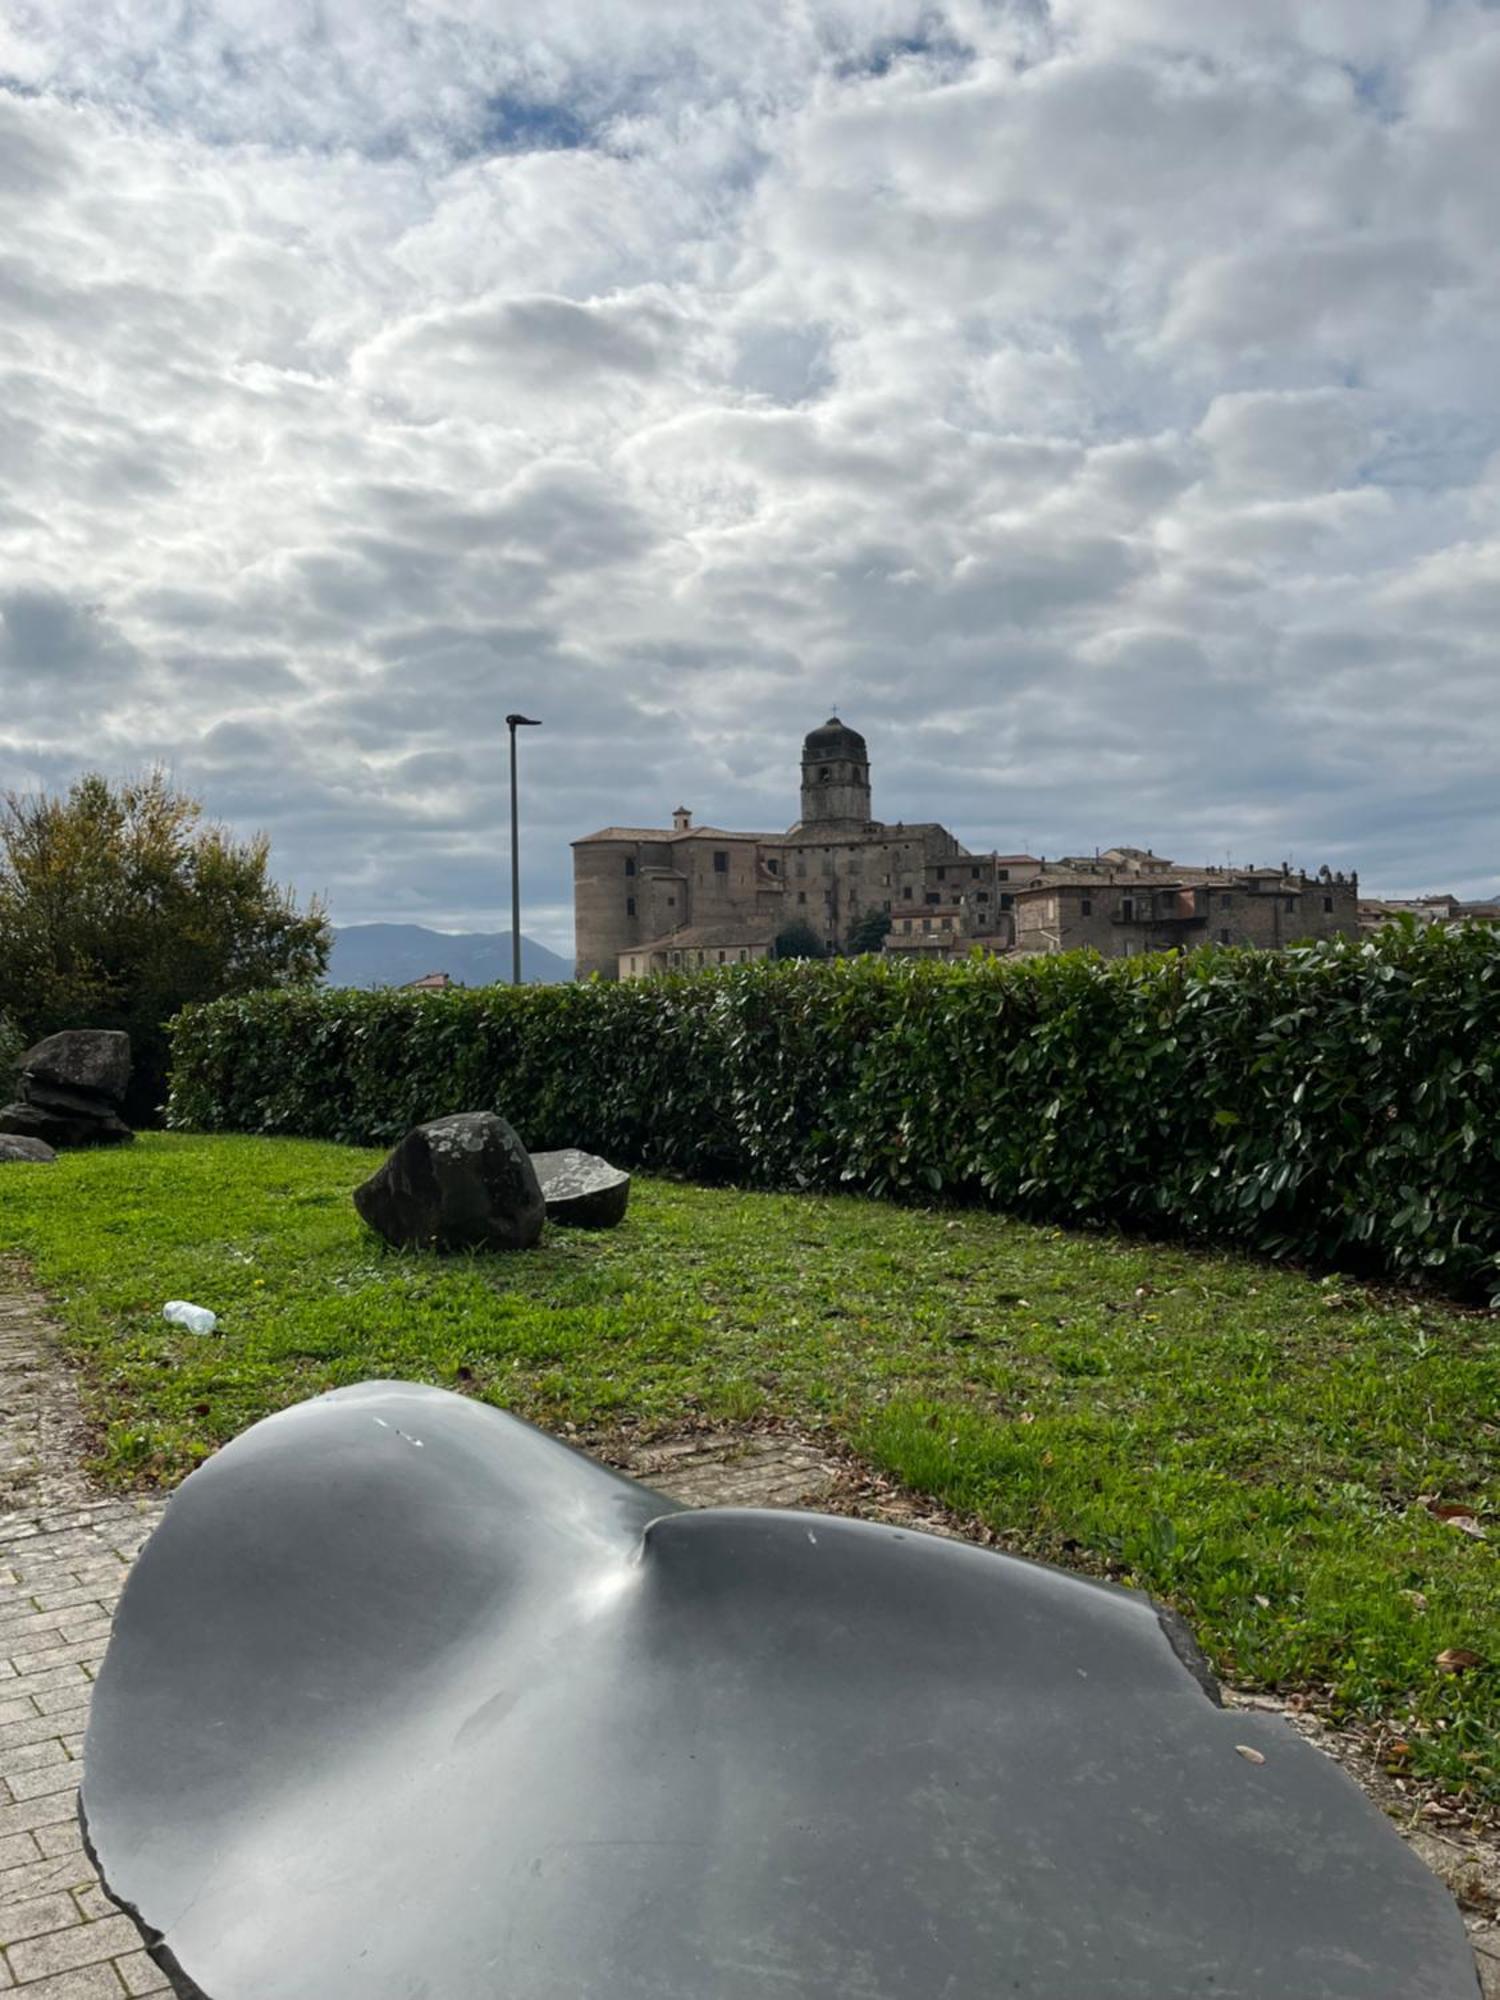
[[406, 1699]]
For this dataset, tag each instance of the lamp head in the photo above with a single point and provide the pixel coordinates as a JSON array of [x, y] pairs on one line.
[[523, 721]]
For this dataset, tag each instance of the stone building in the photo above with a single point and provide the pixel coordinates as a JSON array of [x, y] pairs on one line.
[[657, 899]]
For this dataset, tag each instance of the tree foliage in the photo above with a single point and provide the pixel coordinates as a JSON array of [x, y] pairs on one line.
[[120, 903], [1338, 1101], [798, 940], [868, 933]]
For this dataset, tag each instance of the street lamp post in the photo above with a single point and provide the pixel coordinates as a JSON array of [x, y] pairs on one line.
[[513, 723]]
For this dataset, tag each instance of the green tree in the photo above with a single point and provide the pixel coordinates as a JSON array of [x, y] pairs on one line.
[[868, 933], [119, 903], [798, 940]]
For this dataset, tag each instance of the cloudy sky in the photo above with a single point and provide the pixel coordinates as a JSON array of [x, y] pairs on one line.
[[1096, 401]]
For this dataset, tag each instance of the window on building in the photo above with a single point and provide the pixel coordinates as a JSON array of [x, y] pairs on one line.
[[1085, 906], [886, 904], [1224, 935], [1007, 902], [973, 874], [630, 906], [824, 775], [721, 958], [721, 862], [1291, 902], [927, 923], [801, 895], [629, 865], [1127, 909], [1003, 873], [906, 925], [1327, 906], [906, 893], [942, 874], [1226, 902], [983, 896], [677, 958], [933, 896], [671, 902], [772, 867], [744, 955]]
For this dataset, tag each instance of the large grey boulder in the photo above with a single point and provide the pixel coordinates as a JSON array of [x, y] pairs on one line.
[[95, 1061], [581, 1190], [14, 1147], [459, 1183], [71, 1088]]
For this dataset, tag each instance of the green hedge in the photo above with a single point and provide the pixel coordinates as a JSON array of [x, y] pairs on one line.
[[1337, 1101]]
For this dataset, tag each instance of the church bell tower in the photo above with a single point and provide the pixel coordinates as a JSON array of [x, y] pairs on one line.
[[835, 779]]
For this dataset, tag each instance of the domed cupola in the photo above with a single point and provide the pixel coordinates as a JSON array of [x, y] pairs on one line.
[[835, 777]]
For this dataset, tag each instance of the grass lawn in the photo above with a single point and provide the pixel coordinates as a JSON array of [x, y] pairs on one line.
[[1248, 1443]]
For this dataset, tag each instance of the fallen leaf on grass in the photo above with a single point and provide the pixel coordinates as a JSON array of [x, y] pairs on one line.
[[1457, 1659], [1456, 1515], [1250, 1756]]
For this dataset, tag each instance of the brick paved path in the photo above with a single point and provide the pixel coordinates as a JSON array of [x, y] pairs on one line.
[[64, 1555]]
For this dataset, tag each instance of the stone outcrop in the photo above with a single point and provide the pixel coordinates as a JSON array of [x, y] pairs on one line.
[[13, 1146], [459, 1183], [71, 1089], [581, 1190]]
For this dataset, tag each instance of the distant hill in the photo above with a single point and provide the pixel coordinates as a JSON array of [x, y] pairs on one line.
[[394, 954]]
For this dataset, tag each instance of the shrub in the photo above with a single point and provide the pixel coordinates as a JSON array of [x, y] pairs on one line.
[[119, 903], [1337, 1101]]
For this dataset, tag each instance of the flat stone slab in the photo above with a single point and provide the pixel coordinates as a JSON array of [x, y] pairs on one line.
[[552, 1734], [16, 1146], [64, 1129], [581, 1190]]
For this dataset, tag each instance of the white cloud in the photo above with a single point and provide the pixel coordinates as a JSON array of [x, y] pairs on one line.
[[1097, 402]]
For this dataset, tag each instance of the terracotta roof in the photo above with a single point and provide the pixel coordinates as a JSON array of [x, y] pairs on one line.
[[708, 937], [671, 833]]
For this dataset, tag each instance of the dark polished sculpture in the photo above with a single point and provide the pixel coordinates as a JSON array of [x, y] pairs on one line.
[[405, 1698]]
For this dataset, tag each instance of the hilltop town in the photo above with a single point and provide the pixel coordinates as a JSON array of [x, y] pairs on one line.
[[657, 899]]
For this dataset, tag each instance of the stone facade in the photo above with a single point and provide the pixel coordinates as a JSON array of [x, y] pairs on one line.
[[657, 899]]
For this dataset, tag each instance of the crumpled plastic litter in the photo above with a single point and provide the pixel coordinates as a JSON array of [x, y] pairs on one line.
[[197, 1319]]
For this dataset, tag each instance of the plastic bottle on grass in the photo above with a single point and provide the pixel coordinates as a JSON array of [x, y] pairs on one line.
[[197, 1319]]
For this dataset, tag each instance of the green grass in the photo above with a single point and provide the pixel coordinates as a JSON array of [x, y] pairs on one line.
[[1249, 1443]]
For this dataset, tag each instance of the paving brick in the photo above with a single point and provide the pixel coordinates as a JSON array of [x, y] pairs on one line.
[[36, 1728], [62, 1951], [16, 1708], [140, 1975], [94, 1903], [63, 1689], [15, 1849], [68, 1599], [37, 1916], [88, 1623], [36, 1784], [19, 1627], [32, 1756], [43, 1877], [64, 1838], [92, 1982], [60, 1656], [30, 1814]]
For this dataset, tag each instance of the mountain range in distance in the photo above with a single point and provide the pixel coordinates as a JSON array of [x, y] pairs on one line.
[[396, 954]]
